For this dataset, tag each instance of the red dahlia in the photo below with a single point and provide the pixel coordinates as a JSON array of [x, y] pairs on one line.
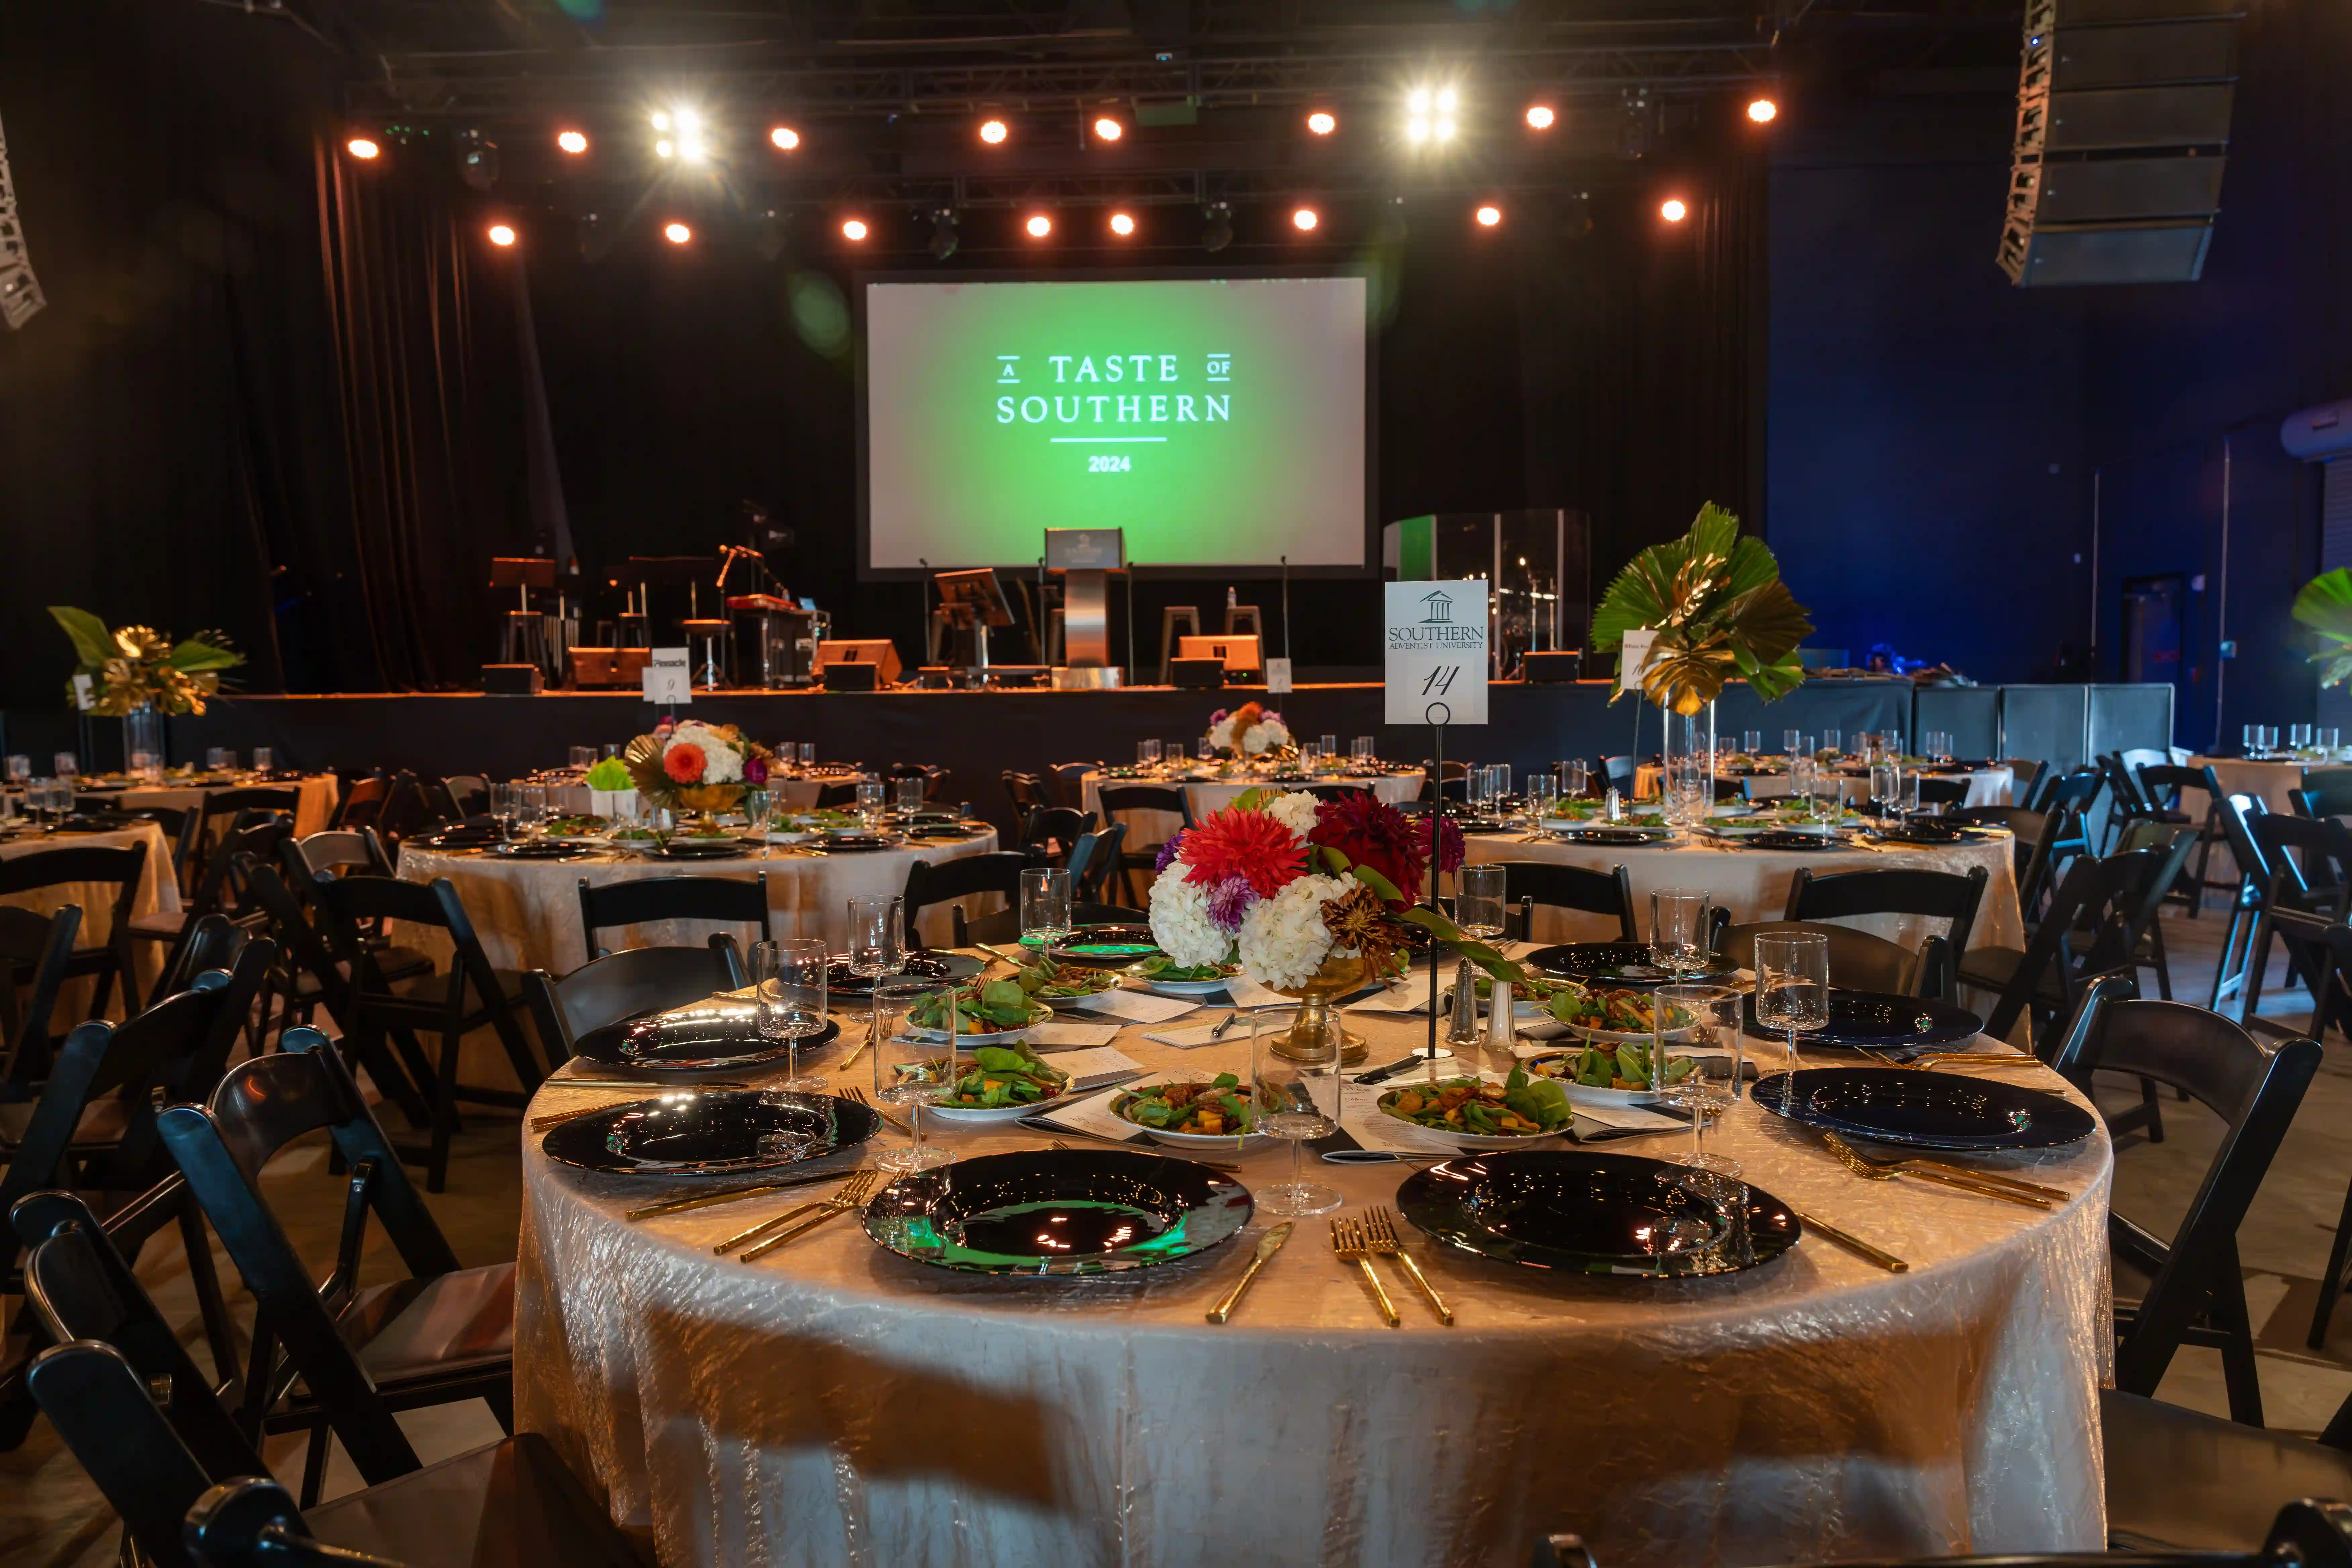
[[1245, 844], [1372, 833]]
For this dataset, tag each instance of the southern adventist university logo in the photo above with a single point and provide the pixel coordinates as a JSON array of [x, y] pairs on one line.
[[1437, 629], [1437, 608]]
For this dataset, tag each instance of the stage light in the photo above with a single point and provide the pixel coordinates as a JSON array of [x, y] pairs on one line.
[[1108, 130], [1039, 225], [360, 147], [785, 138], [676, 232], [1444, 130], [1219, 230], [943, 234], [993, 132], [1540, 116], [661, 121], [665, 147], [689, 121], [1303, 219], [1417, 101], [572, 142], [500, 235], [1489, 215], [692, 148], [854, 229], [1122, 225], [1447, 101], [1672, 210], [1762, 110], [1322, 123]]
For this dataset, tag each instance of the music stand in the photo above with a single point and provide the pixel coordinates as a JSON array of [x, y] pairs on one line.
[[970, 603], [651, 571]]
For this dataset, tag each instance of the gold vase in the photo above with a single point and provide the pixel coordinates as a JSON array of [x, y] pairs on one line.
[[1316, 1032]]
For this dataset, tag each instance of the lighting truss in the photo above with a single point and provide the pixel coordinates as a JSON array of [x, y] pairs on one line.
[[20, 292]]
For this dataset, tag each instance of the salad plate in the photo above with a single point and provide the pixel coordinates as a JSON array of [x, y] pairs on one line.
[[1162, 974], [1003, 1073], [710, 1132], [1003, 1008], [1176, 1112], [1476, 1113], [1058, 1212], [1576, 1211]]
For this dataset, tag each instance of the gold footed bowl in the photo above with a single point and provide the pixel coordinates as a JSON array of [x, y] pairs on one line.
[[1317, 1031]]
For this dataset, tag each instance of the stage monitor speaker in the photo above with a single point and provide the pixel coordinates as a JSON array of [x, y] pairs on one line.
[[1544, 669], [1200, 674], [879, 651], [511, 680], [2122, 130], [848, 677]]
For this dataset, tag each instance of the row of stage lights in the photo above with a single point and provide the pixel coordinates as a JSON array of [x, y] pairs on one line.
[[1431, 118]]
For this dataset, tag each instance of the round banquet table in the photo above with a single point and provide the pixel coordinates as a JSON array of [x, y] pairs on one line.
[[1753, 884], [527, 912], [2271, 782], [835, 1404], [1987, 786], [159, 893], [314, 811]]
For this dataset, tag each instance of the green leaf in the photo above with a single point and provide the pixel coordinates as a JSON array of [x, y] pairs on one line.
[[996, 1058], [1378, 884], [1253, 798], [195, 654], [2325, 605], [1450, 936], [93, 644]]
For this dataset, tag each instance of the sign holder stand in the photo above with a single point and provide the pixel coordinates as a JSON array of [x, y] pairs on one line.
[[1437, 714]]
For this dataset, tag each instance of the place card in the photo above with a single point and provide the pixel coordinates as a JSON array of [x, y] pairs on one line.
[[1062, 1035], [1247, 993], [1096, 1066], [1598, 1123], [1412, 997], [1137, 1006]]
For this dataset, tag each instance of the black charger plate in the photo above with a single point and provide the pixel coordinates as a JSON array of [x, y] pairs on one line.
[[1059, 1213], [526, 850], [1105, 946], [1877, 1020], [850, 843], [1625, 963], [1925, 1109], [461, 836], [1921, 832], [1580, 1212], [705, 848], [1790, 838], [1598, 834], [925, 965], [722, 1132], [941, 830], [723, 1032]]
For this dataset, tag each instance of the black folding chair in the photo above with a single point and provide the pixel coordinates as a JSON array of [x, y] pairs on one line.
[[183, 827], [190, 1485], [1092, 860], [2080, 939], [719, 900], [2190, 1289], [95, 863], [1950, 895], [1005, 925], [380, 1006], [1620, 774], [1168, 799], [2326, 792], [1048, 833], [2310, 892], [2239, 814], [341, 851], [1860, 961], [627, 985], [35, 951], [1027, 792], [2165, 786], [929, 882], [339, 1357], [1609, 894]]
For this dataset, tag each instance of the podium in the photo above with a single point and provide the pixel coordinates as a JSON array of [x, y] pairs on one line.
[[1085, 558]]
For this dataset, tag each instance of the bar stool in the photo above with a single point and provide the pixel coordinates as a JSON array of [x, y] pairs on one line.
[[1175, 621], [1246, 621], [524, 638], [713, 633]]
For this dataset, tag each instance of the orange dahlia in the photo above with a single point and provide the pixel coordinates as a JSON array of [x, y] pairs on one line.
[[684, 761]]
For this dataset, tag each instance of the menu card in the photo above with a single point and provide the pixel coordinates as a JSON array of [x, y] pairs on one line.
[[1091, 1115], [1137, 1006], [1095, 1068], [1060, 1033]]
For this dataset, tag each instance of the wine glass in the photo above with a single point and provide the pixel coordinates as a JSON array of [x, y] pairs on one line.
[[503, 808], [877, 935], [1478, 901], [788, 981], [66, 767], [1172, 753], [1326, 751], [1294, 1100], [808, 756], [264, 759], [1044, 906], [1714, 1014], [1575, 776], [20, 770], [1793, 990], [758, 811], [1204, 750], [873, 800], [1793, 741], [908, 794], [582, 758], [912, 1084], [1830, 739], [530, 809], [1679, 942], [1146, 753], [1542, 791], [1751, 743]]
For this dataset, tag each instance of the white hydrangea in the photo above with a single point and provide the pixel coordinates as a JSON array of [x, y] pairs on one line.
[[721, 763], [1295, 810], [1283, 938], [1276, 733], [1221, 734], [1258, 737], [1181, 922]]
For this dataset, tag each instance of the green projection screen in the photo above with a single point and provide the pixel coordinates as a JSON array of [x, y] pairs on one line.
[[1221, 421]]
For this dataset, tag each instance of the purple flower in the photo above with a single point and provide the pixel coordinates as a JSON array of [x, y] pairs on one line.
[[1167, 852], [1229, 900], [1217, 718], [755, 770]]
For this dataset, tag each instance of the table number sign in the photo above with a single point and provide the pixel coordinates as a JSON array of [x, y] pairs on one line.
[[1634, 656], [670, 677], [1437, 653], [1277, 676]]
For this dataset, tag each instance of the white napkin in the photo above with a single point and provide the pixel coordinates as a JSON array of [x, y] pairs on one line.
[[1061, 1035], [1137, 1006]]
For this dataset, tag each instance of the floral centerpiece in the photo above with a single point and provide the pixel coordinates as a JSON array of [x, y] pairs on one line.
[[138, 667], [698, 767], [1250, 731], [1311, 897]]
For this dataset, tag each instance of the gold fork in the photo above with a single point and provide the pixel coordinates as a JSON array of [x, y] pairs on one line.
[[1961, 1182], [852, 1196], [857, 1095], [1347, 1241], [1842, 1149], [860, 1051], [798, 1211], [1380, 1238]]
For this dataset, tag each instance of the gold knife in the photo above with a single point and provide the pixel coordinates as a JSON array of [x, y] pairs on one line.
[[1268, 1244], [1853, 1243], [999, 954], [731, 1195]]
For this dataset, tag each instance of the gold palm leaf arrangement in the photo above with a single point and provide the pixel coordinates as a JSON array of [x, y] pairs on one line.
[[1717, 603], [133, 666], [2324, 605]]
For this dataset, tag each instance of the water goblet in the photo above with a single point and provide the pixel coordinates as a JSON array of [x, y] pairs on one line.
[[808, 755], [503, 808], [1830, 739], [788, 982], [1204, 750], [1044, 906], [1679, 942], [1793, 741], [20, 770], [264, 759], [1752, 742], [2298, 737], [65, 766], [910, 794], [1362, 751], [911, 1084], [873, 800], [1295, 1100], [1793, 990], [758, 811], [1326, 751], [1478, 901], [530, 809], [1543, 791], [1146, 753], [1714, 1012], [1575, 776], [216, 760], [582, 758]]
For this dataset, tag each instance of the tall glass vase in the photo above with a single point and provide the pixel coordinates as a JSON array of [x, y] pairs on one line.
[[1686, 758], [143, 742]]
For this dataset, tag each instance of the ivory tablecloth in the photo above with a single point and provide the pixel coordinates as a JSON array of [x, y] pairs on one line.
[[157, 892], [2268, 782], [836, 1404], [313, 813], [527, 912]]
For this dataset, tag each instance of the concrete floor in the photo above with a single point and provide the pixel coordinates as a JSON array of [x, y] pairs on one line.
[[51, 1516]]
